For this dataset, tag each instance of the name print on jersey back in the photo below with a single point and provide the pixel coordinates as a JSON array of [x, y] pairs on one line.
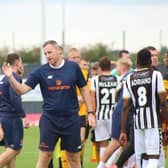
[[106, 90]]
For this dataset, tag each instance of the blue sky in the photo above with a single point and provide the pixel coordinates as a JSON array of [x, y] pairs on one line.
[[86, 22]]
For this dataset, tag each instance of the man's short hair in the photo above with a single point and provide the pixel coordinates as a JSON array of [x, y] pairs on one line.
[[144, 58], [150, 48], [52, 42], [105, 63], [11, 58], [122, 52]]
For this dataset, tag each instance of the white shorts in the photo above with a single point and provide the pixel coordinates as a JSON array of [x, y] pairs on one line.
[[102, 130], [147, 141]]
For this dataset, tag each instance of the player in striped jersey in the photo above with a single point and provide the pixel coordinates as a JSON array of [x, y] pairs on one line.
[[103, 89], [146, 90], [112, 150]]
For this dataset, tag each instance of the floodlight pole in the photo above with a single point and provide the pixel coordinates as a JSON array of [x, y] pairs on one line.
[[13, 41], [123, 38], [43, 30], [160, 39], [63, 26]]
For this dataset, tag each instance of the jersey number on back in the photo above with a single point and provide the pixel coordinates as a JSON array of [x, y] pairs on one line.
[[142, 99], [107, 95]]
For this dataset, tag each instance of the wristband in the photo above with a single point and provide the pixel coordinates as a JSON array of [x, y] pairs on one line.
[[91, 112]]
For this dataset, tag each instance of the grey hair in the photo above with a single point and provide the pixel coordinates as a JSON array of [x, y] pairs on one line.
[[52, 42]]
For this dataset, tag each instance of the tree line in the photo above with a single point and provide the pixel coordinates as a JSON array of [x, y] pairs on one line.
[[92, 53]]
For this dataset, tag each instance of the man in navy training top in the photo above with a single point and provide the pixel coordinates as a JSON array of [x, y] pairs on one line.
[[58, 80], [11, 114]]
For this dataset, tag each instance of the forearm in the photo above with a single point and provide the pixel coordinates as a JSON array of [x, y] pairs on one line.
[[88, 101], [124, 117], [20, 88], [87, 98], [15, 84], [93, 97]]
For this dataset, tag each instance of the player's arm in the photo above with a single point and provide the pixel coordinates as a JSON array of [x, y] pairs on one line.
[[88, 101], [93, 92], [93, 96], [124, 116], [117, 91], [18, 87]]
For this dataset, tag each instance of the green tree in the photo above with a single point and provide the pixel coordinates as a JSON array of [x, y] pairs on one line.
[[94, 52], [30, 55]]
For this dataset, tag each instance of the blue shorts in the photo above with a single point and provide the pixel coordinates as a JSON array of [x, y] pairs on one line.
[[13, 132], [51, 130], [116, 125]]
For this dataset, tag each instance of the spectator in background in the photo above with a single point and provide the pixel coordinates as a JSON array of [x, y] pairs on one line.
[[60, 109]]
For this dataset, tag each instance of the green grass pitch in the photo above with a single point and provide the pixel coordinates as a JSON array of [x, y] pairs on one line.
[[29, 155]]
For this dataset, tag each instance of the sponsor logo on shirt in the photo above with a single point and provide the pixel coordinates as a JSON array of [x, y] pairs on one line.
[[59, 86]]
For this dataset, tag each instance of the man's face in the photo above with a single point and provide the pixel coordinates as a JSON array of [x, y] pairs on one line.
[[20, 68], [51, 53], [165, 60], [60, 52], [74, 56], [125, 55], [84, 64], [154, 58]]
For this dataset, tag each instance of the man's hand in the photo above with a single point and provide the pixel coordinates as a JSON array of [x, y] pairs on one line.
[[123, 139], [91, 120], [26, 123], [6, 69], [80, 100]]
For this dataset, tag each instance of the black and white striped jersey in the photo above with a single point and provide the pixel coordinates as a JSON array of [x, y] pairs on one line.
[[105, 87], [143, 87]]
